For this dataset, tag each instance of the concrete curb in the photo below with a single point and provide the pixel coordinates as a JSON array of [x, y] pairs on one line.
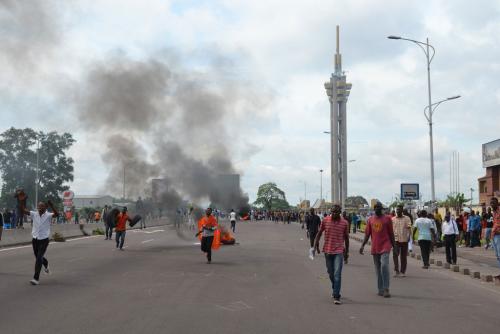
[[454, 268]]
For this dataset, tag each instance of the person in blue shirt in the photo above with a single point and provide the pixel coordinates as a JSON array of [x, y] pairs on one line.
[[475, 229]]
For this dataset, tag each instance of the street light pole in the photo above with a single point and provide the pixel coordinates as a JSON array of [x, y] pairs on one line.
[[321, 187], [37, 170], [429, 58]]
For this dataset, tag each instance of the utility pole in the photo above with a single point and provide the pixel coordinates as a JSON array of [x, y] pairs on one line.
[[338, 91], [321, 186], [37, 181], [123, 181]]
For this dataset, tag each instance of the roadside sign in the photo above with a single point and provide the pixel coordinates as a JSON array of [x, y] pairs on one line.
[[68, 202], [68, 195], [410, 191]]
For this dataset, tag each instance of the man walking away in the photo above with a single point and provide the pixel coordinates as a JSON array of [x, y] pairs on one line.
[[379, 229], [450, 232], [426, 235], [475, 229], [312, 226], [232, 218], [40, 232], [1, 225], [104, 217], [495, 230], [488, 217], [354, 222], [336, 247], [139, 208], [121, 228], [402, 229]]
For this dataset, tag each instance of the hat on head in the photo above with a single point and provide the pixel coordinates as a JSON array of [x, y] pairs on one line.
[[467, 210]]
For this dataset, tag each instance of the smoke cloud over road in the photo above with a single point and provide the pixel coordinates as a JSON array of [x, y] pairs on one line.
[[159, 115], [159, 121]]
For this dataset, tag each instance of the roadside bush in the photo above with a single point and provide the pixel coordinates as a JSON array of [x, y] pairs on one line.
[[58, 237], [98, 231]]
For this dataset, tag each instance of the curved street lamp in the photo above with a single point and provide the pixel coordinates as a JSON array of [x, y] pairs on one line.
[[429, 52]]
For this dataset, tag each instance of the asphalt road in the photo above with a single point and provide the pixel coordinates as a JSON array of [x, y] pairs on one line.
[[160, 283]]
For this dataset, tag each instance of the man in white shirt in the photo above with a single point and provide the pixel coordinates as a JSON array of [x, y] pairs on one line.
[[232, 218], [40, 233], [450, 232]]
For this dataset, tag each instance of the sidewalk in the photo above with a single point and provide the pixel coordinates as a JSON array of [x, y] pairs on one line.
[[476, 262]]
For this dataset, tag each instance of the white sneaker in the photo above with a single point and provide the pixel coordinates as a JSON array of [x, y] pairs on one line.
[[34, 282], [311, 253], [47, 270]]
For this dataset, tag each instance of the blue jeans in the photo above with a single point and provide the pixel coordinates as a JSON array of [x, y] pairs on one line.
[[120, 239], [381, 262], [496, 246], [334, 264]]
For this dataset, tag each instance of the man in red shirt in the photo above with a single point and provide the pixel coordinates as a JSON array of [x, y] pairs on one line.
[[336, 247], [379, 228], [121, 227]]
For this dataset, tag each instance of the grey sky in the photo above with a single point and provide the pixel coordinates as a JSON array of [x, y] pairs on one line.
[[285, 49]]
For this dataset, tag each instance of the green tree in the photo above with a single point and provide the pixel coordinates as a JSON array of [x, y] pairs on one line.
[[455, 201], [18, 148], [355, 202], [270, 197]]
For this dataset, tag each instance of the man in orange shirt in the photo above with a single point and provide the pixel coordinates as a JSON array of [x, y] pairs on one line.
[[121, 227], [207, 227]]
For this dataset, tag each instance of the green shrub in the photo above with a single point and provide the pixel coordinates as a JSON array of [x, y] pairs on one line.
[[98, 231], [58, 237]]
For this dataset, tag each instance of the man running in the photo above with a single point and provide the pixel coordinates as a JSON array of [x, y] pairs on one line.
[[206, 227], [336, 247], [232, 218], [379, 229], [121, 228], [40, 233]]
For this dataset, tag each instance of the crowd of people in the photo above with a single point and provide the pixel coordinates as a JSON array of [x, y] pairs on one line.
[[396, 232]]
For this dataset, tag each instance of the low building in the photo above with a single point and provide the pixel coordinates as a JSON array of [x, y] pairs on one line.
[[92, 201], [489, 185]]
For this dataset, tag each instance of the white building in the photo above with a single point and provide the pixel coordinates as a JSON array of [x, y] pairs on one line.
[[92, 201]]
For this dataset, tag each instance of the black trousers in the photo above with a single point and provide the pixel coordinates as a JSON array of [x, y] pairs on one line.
[[233, 225], [425, 249], [474, 238], [451, 248], [39, 249], [109, 231], [312, 236], [206, 246]]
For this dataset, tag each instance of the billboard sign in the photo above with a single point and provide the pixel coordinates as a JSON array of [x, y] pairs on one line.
[[410, 191], [491, 153]]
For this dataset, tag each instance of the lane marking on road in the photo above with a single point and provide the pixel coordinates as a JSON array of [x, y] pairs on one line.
[[146, 241], [235, 306], [14, 248], [197, 243], [147, 232], [80, 238]]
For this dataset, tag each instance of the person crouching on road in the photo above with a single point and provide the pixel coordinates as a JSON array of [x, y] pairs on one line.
[[40, 232], [379, 229], [121, 228], [336, 247], [207, 227]]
